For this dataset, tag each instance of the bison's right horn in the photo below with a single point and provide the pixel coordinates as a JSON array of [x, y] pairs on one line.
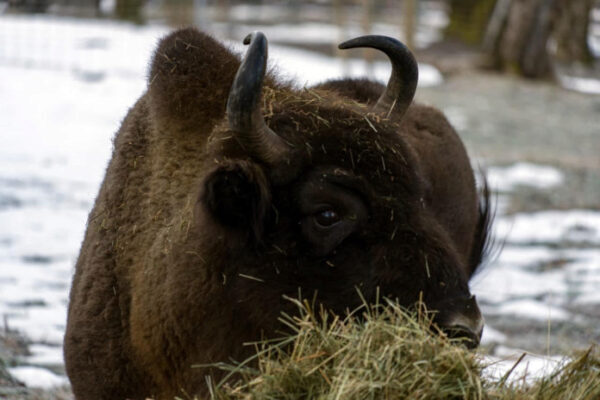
[[244, 106], [405, 72]]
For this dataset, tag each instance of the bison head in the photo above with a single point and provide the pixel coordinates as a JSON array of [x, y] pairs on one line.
[[326, 196]]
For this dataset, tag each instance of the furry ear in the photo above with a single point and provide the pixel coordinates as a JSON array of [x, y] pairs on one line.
[[237, 196], [189, 82]]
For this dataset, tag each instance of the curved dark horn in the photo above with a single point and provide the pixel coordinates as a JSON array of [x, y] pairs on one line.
[[405, 72], [244, 105]]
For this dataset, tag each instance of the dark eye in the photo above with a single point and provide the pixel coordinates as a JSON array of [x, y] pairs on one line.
[[327, 218]]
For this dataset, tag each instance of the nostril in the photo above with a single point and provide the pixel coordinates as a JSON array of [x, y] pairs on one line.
[[460, 318], [469, 338]]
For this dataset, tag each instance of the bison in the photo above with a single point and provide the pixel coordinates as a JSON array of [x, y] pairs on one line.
[[230, 189]]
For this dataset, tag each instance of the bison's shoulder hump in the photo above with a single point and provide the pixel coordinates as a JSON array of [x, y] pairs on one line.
[[362, 90], [429, 121], [189, 80]]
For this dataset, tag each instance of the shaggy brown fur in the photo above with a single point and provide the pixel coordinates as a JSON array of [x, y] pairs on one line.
[[192, 244]]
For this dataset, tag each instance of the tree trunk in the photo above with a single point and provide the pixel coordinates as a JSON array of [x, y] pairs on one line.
[[516, 33], [409, 10], [523, 45], [571, 31], [468, 19], [129, 10]]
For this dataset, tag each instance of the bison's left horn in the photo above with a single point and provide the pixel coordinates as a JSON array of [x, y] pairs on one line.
[[244, 105], [405, 72]]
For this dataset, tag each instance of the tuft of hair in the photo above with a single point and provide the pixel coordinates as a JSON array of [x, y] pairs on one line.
[[484, 246], [189, 80]]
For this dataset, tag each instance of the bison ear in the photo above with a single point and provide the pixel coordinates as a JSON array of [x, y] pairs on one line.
[[237, 195], [189, 82]]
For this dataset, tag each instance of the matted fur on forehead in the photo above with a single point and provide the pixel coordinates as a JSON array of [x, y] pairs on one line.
[[324, 129], [334, 131]]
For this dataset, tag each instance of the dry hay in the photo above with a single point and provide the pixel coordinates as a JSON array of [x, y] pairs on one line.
[[386, 353]]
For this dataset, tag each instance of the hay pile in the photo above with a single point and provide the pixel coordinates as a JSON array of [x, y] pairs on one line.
[[385, 353]]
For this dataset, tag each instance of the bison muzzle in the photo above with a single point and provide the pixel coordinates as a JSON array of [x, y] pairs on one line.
[[229, 190]]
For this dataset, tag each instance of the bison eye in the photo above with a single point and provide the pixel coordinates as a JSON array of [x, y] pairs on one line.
[[327, 218], [330, 211]]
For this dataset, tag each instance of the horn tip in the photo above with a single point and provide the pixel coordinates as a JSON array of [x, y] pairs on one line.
[[252, 36], [343, 45], [350, 44]]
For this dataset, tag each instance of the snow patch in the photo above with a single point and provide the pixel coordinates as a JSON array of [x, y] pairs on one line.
[[580, 84], [504, 282], [308, 68], [533, 309], [523, 174], [492, 336], [42, 354], [41, 378], [524, 371], [582, 226]]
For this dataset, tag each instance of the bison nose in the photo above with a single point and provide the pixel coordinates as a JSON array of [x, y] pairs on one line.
[[471, 334], [465, 323]]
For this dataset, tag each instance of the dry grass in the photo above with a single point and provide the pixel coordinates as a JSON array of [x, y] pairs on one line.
[[385, 353]]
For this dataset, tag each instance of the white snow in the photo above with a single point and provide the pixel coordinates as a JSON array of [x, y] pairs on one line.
[[310, 68], [35, 377], [60, 104], [583, 275], [533, 309], [523, 174], [503, 282], [524, 371], [45, 355], [492, 336], [551, 227], [580, 84]]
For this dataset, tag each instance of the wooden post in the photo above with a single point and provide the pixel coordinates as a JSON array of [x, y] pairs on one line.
[[367, 14], [200, 10], [496, 24], [222, 15], [340, 21], [410, 15]]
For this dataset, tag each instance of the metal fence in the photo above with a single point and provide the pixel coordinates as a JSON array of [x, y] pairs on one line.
[[315, 25]]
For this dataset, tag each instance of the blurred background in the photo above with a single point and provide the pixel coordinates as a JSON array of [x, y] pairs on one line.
[[518, 79]]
